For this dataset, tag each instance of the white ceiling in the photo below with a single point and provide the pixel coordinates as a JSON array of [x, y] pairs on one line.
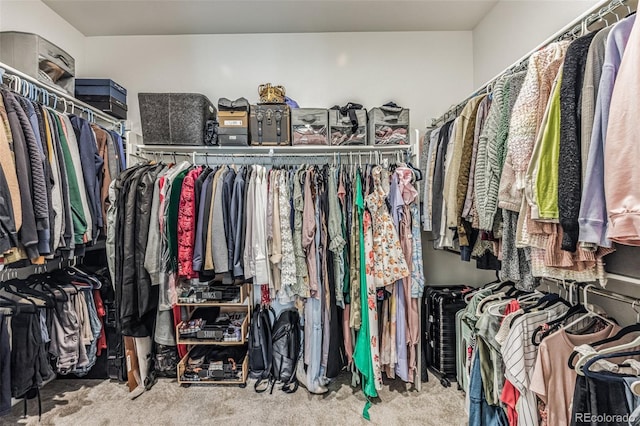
[[169, 17]]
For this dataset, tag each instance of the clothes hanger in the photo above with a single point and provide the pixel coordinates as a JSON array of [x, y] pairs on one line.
[[553, 326], [634, 328], [492, 309], [582, 361], [596, 374], [591, 313]]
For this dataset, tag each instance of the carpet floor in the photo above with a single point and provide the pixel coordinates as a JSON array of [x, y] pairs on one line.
[[101, 402]]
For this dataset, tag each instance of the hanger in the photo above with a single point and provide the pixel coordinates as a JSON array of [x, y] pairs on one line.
[[590, 312], [552, 325], [634, 328], [611, 350]]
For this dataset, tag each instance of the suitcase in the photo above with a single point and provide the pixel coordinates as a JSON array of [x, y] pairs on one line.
[[270, 124], [177, 119], [439, 319], [309, 126], [389, 125]]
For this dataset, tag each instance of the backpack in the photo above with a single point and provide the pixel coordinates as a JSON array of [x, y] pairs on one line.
[[260, 344], [286, 340]]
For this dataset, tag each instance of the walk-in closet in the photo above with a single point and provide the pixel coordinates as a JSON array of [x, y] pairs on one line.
[[319, 212]]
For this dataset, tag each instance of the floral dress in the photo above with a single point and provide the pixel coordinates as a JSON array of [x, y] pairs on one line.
[[372, 300], [389, 261]]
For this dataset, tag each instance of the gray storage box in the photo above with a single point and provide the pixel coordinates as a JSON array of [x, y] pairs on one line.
[[389, 125], [38, 58], [309, 126], [342, 130], [177, 119]]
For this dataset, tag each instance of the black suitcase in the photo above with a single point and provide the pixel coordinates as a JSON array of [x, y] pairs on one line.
[[439, 330], [270, 124]]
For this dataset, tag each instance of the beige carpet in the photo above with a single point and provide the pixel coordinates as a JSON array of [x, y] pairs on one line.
[[101, 402]]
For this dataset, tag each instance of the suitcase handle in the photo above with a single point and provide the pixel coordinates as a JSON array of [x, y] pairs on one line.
[[259, 118], [279, 125]]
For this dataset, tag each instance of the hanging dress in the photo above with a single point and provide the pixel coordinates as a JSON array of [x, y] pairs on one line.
[[362, 353]]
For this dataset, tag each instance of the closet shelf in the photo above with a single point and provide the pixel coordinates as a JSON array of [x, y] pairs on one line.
[[63, 96], [215, 304], [204, 381], [200, 342]]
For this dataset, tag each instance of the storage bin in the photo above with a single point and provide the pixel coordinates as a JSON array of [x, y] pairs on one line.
[[100, 87], [389, 125], [107, 104], [344, 132], [38, 58], [309, 126], [177, 119]]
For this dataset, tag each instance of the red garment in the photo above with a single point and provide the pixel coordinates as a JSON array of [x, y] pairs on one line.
[[187, 224], [177, 318], [102, 312], [265, 296], [510, 395]]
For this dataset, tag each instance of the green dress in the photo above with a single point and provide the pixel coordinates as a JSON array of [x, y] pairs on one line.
[[362, 353]]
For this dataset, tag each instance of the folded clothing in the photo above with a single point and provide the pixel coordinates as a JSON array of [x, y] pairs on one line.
[[387, 135]]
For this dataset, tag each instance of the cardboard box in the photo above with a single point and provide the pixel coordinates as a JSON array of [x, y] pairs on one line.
[[233, 119], [133, 369]]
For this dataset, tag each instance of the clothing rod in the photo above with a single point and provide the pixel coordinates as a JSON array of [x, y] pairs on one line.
[[292, 150], [10, 71], [261, 155], [598, 291], [599, 10]]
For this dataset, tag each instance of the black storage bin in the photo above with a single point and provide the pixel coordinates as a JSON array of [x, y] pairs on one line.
[[177, 119]]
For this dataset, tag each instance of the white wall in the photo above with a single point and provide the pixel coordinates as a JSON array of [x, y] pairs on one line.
[[514, 27], [423, 71], [33, 16]]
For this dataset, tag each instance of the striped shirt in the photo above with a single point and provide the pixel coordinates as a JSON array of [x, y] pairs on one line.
[[519, 356]]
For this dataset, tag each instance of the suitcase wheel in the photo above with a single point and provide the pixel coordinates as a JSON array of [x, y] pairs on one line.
[[445, 382], [242, 385]]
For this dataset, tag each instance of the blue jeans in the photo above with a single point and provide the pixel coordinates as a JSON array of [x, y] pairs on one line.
[[480, 412]]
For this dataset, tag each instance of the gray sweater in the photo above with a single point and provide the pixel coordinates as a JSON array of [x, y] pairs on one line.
[[592, 73]]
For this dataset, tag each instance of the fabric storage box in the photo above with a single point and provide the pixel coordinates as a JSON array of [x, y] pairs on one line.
[[389, 125], [344, 131], [177, 119], [228, 136], [233, 118], [107, 104], [270, 124], [100, 87], [309, 126], [38, 58], [233, 128]]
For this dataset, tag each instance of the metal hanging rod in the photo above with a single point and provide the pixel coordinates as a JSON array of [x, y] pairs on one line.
[[596, 291], [596, 13], [339, 157], [59, 98], [274, 150]]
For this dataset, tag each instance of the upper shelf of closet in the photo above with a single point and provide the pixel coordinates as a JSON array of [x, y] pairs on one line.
[[62, 101]]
